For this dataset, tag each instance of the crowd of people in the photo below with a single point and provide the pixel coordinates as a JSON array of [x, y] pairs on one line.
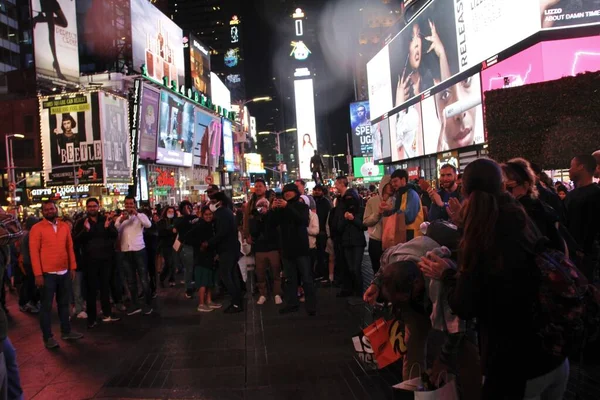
[[458, 262]]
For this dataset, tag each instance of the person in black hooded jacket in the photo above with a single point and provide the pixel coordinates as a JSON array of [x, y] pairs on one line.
[[352, 232], [292, 217]]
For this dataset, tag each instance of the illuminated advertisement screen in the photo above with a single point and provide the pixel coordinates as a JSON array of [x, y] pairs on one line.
[[445, 38], [149, 106], [365, 168], [381, 141], [453, 117], [221, 96], [406, 133], [569, 13], [199, 65], [55, 40], [157, 43], [305, 123], [176, 131], [208, 139], [115, 137], [362, 138], [228, 157]]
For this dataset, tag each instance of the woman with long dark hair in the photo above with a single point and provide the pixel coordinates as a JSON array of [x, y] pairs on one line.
[[53, 15], [498, 283]]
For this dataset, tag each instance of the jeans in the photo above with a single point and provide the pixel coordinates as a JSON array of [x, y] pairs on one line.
[[28, 292], [375, 252], [168, 271], [291, 268], [15, 391], [551, 386], [186, 255], [229, 274], [78, 292], [97, 277], [352, 280], [134, 262], [268, 259], [3, 378], [61, 286]]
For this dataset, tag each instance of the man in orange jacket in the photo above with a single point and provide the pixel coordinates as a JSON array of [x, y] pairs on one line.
[[53, 262]]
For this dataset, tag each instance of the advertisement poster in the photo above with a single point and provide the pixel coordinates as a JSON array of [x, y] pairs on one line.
[[157, 43], [380, 85], [115, 137], [176, 131], [71, 139], [569, 13], [362, 138], [453, 117], [381, 140], [149, 106], [208, 139], [228, 157], [424, 53], [306, 125], [365, 168], [55, 40], [199, 65], [406, 133], [221, 96]]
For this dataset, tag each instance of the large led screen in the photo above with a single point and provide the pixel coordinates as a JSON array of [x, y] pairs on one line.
[[220, 94], [305, 123], [365, 168], [176, 131], [380, 85], [381, 141], [71, 139], [157, 43], [406, 133], [199, 65], [55, 40], [228, 157], [539, 63], [453, 117], [362, 138], [208, 139], [149, 106], [115, 137], [569, 13]]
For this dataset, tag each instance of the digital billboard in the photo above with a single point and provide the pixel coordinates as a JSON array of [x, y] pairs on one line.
[[569, 13], [55, 40], [176, 131], [208, 135], [149, 106], [380, 84], [382, 151], [157, 43], [199, 59], [306, 125], [228, 156], [362, 138], [365, 168], [406, 133], [221, 96], [71, 139], [453, 117], [115, 137]]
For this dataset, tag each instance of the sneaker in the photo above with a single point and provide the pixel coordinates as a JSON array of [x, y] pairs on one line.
[[188, 294], [172, 284], [278, 300], [82, 315], [121, 307], [288, 309], [110, 319], [215, 306], [134, 310], [154, 295], [204, 308], [51, 343], [302, 299], [148, 311], [233, 309], [24, 308], [33, 308], [92, 325], [261, 300], [71, 336]]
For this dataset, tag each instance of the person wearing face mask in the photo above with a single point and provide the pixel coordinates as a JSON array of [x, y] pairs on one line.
[[292, 217], [226, 246], [166, 238], [440, 198]]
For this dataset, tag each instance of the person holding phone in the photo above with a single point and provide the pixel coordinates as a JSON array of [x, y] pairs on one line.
[[440, 200]]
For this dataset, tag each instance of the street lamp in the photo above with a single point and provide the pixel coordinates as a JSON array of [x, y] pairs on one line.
[[279, 156], [333, 156], [10, 169]]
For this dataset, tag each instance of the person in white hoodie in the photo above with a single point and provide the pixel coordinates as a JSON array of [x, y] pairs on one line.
[[373, 220]]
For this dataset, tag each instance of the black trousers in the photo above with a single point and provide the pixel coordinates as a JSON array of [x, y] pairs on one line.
[[97, 275], [28, 292], [322, 268], [375, 252]]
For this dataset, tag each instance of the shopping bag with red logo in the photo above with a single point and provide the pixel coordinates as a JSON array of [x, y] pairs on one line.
[[387, 341]]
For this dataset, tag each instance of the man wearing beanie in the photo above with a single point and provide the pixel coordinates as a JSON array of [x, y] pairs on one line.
[[293, 218]]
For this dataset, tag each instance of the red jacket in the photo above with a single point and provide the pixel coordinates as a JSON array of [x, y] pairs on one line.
[[51, 251]]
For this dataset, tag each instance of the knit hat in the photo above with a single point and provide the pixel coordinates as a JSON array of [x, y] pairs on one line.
[[291, 187]]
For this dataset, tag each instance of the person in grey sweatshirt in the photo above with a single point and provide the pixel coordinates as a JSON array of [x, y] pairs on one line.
[[373, 220]]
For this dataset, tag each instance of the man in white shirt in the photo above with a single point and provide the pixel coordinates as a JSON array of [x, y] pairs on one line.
[[131, 226]]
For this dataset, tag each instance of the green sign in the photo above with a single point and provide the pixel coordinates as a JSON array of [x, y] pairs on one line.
[[366, 169], [279, 157]]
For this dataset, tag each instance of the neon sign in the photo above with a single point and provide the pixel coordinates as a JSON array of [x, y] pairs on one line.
[[300, 51]]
